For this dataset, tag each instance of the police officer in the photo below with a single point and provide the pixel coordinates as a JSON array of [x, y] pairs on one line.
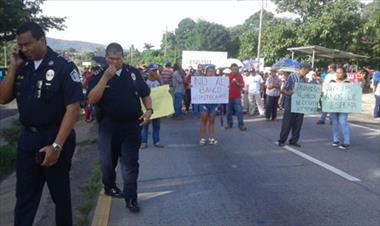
[[48, 90], [117, 91]]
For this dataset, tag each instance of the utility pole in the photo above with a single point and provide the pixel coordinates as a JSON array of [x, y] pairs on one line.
[[166, 41], [260, 28]]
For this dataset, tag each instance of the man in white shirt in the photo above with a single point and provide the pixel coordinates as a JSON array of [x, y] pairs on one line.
[[255, 84]]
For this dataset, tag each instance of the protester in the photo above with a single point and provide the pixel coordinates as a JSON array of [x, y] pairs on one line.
[[339, 119], [255, 84], [48, 90], [234, 102], [167, 76], [198, 72], [208, 114], [244, 98], [283, 79], [273, 85], [116, 91], [152, 82], [376, 91], [292, 121], [187, 84], [330, 76], [178, 90]]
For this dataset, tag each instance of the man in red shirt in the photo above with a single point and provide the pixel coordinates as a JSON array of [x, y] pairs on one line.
[[236, 84]]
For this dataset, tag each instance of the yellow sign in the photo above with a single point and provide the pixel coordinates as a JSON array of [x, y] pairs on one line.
[[162, 102]]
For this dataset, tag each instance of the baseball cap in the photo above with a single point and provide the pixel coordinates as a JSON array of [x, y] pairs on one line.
[[152, 67]]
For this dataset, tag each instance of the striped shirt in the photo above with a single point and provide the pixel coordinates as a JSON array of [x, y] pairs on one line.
[[289, 86]]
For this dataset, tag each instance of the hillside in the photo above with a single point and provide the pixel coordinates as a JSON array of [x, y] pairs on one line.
[[60, 44]]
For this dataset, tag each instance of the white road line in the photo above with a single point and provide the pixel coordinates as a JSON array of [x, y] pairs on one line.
[[365, 127], [322, 164]]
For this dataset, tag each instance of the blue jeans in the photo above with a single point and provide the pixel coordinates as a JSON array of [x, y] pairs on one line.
[[376, 110], [195, 108], [235, 104], [340, 122], [155, 134], [178, 97], [324, 115]]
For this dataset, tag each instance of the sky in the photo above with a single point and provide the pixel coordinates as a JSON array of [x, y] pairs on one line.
[[137, 22], [131, 22]]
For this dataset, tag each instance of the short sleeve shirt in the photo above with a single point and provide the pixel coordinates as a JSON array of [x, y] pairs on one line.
[[289, 85], [235, 91], [42, 94], [121, 97]]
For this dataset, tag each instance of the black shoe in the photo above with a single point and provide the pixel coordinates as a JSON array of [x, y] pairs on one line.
[[295, 145], [132, 206], [281, 144], [320, 122], [114, 192], [243, 128]]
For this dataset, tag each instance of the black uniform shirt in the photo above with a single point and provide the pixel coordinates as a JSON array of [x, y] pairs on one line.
[[121, 97], [43, 94]]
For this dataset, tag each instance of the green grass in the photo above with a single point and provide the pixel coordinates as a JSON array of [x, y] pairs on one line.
[[91, 193], [8, 152], [86, 142]]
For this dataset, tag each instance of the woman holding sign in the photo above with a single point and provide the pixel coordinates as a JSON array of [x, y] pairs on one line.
[[339, 119], [208, 113]]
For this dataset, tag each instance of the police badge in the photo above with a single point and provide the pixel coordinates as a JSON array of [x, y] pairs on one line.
[[50, 74]]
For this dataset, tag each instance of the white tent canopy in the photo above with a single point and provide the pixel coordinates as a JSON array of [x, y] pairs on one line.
[[323, 52]]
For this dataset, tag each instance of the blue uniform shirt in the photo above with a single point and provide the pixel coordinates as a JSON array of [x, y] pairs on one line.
[[43, 94], [121, 97]]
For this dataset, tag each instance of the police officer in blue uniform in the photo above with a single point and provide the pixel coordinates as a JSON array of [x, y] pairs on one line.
[[48, 90], [116, 91]]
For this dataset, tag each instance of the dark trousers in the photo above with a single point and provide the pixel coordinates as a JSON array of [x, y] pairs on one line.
[[376, 110], [187, 99], [31, 179], [126, 138], [291, 122], [271, 107]]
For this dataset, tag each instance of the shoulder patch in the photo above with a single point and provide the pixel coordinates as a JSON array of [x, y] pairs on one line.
[[74, 74]]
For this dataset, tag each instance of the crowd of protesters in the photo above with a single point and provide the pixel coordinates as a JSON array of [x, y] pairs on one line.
[[251, 92]]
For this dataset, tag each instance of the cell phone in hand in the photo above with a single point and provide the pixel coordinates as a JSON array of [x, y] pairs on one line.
[[21, 55], [39, 157]]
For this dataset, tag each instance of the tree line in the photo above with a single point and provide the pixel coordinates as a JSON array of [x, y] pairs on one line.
[[347, 25]]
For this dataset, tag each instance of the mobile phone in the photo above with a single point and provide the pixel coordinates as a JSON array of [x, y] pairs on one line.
[[21, 55], [39, 157]]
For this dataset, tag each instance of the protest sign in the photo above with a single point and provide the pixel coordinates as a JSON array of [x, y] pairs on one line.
[[342, 97], [193, 58], [305, 98], [209, 90], [162, 102]]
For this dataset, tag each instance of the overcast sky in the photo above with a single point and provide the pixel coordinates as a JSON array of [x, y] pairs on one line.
[[138, 22]]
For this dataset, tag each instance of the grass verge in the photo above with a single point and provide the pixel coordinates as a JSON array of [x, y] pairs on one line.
[[91, 193], [9, 150]]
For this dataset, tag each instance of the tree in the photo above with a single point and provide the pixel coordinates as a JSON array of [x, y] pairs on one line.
[[15, 12], [148, 46]]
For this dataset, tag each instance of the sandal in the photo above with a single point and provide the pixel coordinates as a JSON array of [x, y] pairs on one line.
[[212, 141], [202, 141]]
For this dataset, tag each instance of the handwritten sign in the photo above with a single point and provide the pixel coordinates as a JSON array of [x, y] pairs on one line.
[[162, 102], [305, 98], [342, 97], [209, 90]]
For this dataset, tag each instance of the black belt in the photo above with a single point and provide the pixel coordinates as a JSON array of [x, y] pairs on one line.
[[37, 129]]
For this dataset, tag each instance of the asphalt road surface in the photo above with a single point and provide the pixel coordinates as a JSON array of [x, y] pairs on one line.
[[247, 179]]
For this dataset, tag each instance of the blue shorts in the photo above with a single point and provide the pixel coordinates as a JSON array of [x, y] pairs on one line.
[[208, 108]]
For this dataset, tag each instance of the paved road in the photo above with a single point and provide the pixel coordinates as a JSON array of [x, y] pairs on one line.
[[248, 180]]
